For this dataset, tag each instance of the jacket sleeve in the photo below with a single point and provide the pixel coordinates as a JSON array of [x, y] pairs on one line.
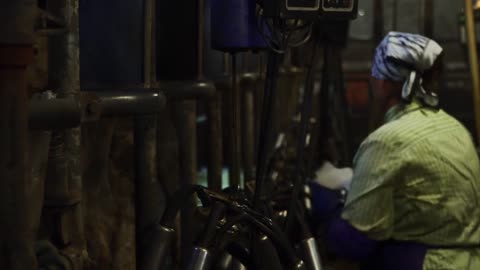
[[370, 203]]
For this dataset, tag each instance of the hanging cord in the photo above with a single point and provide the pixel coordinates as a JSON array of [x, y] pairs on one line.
[[265, 136], [301, 142]]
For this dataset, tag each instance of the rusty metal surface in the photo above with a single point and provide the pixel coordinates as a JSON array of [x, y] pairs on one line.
[[16, 241], [17, 194]]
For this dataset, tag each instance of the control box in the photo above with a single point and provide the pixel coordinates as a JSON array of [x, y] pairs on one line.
[[339, 9], [311, 9]]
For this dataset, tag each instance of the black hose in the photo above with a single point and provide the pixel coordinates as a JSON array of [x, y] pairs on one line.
[[305, 118], [266, 124], [240, 253], [282, 245], [208, 235], [176, 203]]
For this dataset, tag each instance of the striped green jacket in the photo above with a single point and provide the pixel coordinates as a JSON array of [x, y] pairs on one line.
[[417, 178]]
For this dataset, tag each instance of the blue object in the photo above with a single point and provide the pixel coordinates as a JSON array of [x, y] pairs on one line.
[[234, 26], [326, 203], [347, 242]]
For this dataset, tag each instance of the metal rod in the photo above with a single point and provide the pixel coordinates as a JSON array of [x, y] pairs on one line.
[[215, 144], [473, 57], [187, 134], [235, 169], [248, 138]]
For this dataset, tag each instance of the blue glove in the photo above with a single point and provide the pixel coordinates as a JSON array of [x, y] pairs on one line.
[[326, 203]]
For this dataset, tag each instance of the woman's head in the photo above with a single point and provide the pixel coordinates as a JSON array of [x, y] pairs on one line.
[[401, 59]]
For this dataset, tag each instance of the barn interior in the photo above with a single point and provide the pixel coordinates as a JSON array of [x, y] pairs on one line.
[[154, 134]]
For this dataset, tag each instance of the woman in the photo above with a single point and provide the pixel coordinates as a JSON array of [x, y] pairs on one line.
[[414, 201]]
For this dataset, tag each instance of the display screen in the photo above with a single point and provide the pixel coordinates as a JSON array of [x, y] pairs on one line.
[[303, 5], [338, 4]]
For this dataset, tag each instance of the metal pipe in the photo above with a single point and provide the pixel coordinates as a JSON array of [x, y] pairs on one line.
[[248, 85], [187, 133], [215, 144], [55, 114], [66, 189], [130, 102], [379, 21], [474, 66], [234, 169], [16, 53], [201, 259], [310, 254], [156, 248], [149, 198]]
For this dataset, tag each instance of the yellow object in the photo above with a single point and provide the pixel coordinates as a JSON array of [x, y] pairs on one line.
[[417, 178], [473, 56]]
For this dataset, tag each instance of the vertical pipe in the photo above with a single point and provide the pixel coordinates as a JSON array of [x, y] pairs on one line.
[[235, 170], [65, 76], [148, 194], [187, 133], [379, 21], [201, 38], [16, 53], [473, 57], [248, 147], [148, 72], [427, 7], [215, 143]]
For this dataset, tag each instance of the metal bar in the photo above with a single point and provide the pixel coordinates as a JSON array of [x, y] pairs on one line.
[[473, 57], [16, 204], [234, 169], [248, 85], [215, 159]]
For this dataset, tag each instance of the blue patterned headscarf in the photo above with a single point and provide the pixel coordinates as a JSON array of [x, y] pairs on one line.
[[403, 57]]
